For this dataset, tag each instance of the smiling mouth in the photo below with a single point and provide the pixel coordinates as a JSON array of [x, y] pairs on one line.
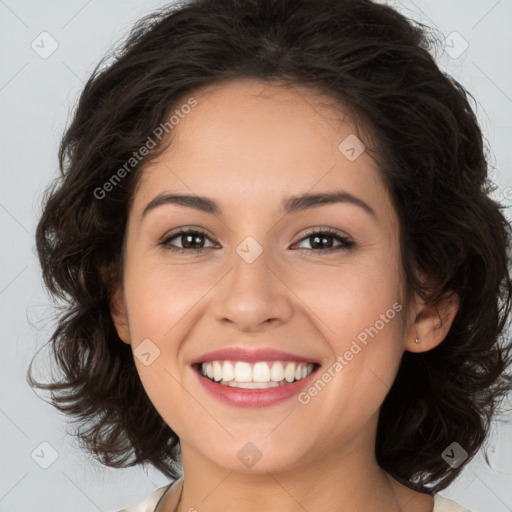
[[258, 375]]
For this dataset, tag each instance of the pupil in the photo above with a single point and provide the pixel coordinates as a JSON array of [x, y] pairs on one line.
[[188, 238], [323, 241]]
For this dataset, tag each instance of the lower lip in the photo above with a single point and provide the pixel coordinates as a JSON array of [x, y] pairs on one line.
[[243, 397]]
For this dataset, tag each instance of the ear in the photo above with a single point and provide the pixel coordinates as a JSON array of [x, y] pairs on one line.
[[432, 325], [119, 315]]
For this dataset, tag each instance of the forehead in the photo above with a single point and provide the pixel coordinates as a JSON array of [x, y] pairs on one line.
[[247, 142], [250, 110]]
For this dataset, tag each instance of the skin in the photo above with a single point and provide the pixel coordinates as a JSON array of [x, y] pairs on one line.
[[249, 145]]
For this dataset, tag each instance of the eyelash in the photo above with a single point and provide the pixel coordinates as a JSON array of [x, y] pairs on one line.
[[346, 243]]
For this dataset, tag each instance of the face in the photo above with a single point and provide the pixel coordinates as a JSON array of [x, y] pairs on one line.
[[281, 286]]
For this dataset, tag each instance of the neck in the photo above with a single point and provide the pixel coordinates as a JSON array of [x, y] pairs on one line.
[[345, 479]]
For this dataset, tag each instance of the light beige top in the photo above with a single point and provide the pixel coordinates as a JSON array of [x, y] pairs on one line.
[[149, 504]]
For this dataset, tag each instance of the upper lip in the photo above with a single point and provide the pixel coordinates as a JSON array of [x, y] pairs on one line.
[[251, 355]]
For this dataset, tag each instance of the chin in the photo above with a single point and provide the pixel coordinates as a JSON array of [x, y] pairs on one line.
[[256, 457]]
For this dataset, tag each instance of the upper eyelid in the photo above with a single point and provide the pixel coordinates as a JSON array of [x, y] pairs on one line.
[[328, 231], [185, 231]]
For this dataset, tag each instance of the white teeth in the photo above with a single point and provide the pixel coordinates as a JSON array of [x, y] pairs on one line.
[[217, 371], [255, 375], [261, 373], [277, 372], [228, 372], [253, 385], [243, 372], [289, 372]]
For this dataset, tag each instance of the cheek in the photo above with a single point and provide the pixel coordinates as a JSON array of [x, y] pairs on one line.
[[349, 298], [161, 297], [163, 304], [358, 309]]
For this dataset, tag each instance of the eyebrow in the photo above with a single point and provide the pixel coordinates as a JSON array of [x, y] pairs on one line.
[[290, 205]]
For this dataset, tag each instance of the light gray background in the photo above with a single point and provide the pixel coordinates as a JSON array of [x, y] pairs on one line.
[[36, 97]]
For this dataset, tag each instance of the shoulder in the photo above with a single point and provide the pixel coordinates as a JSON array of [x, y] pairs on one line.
[[442, 504], [149, 504]]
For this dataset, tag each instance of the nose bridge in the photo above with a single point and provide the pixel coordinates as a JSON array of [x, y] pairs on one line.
[[253, 293]]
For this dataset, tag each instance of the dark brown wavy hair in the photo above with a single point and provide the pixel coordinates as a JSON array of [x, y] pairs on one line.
[[430, 152]]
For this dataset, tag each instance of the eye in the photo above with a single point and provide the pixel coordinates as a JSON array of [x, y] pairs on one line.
[[193, 240], [322, 241], [190, 239]]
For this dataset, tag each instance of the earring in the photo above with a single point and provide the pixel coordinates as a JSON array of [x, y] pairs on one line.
[[417, 340]]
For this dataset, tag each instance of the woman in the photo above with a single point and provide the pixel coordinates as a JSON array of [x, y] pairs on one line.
[[282, 266]]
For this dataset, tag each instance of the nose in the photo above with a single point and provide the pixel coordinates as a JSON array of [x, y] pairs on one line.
[[253, 295]]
